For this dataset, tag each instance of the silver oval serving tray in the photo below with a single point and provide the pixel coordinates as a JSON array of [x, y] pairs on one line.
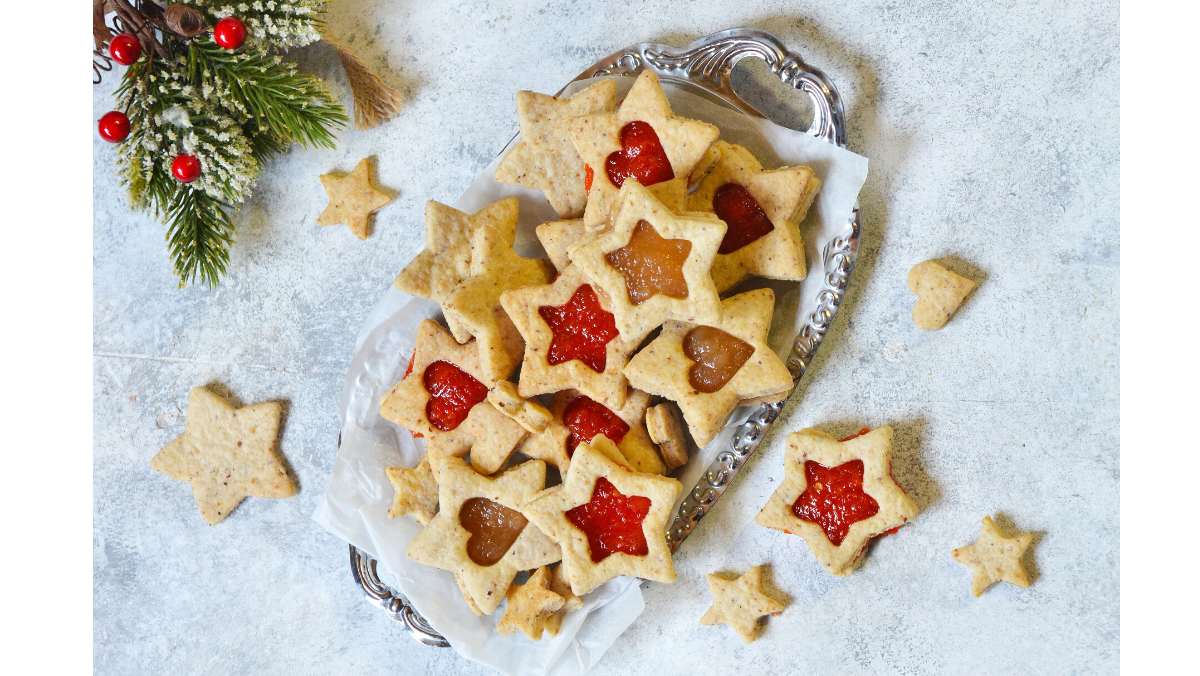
[[704, 68]]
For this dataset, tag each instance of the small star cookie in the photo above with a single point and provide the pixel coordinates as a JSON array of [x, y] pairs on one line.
[[473, 308], [545, 159], [416, 491], [479, 534], [530, 605], [577, 418], [571, 339], [446, 260], [608, 520], [444, 399], [571, 602], [641, 139], [762, 210], [352, 199], [995, 558], [710, 369], [226, 454], [662, 423], [653, 264], [856, 474], [740, 603], [939, 293]]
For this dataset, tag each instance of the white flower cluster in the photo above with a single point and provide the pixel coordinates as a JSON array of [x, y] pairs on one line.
[[175, 118], [281, 23]]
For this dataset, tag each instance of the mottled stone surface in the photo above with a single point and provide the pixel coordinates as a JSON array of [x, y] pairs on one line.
[[992, 133]]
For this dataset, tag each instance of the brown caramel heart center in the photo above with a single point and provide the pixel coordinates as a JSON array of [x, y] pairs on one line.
[[718, 356], [493, 528]]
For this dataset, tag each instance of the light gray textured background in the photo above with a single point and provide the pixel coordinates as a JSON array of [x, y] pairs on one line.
[[992, 130]]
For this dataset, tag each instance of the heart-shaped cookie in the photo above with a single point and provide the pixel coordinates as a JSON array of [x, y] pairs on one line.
[[743, 215], [452, 394], [718, 356], [939, 293], [641, 156], [493, 528]]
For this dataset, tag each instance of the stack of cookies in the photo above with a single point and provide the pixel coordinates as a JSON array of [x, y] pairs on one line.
[[587, 360]]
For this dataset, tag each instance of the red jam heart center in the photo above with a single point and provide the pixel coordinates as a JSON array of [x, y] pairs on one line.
[[611, 521], [744, 217], [641, 156], [581, 328], [452, 394], [586, 418], [651, 264], [493, 528], [718, 356], [834, 498]]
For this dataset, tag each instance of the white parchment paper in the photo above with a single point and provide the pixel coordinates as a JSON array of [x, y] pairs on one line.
[[359, 494]]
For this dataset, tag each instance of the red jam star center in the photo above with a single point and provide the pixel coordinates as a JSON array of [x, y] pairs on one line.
[[582, 330], [834, 498], [612, 521]]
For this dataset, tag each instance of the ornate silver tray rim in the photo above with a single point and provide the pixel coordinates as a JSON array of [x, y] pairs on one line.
[[704, 67]]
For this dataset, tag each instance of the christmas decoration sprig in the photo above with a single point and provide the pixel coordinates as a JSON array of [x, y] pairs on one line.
[[203, 109]]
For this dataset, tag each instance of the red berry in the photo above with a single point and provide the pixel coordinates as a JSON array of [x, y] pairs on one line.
[[230, 33], [125, 49], [186, 168], [114, 126]]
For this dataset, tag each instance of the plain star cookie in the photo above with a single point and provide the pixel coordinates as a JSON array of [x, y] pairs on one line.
[[530, 605], [995, 558], [473, 308], [740, 603], [608, 520], [446, 260], [939, 293], [762, 210], [642, 139], [416, 491], [479, 533], [653, 264], [837, 495], [710, 369], [577, 418], [352, 199], [545, 159], [444, 399], [571, 339], [226, 454]]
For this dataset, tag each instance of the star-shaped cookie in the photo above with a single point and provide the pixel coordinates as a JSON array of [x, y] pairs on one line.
[[740, 603], [577, 418], [859, 472], [446, 260], [530, 605], [479, 532], [463, 420], [571, 339], [995, 558], [352, 199], [473, 308], [545, 159], [687, 361], [653, 264], [226, 454], [611, 502], [416, 491], [762, 210], [598, 138]]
